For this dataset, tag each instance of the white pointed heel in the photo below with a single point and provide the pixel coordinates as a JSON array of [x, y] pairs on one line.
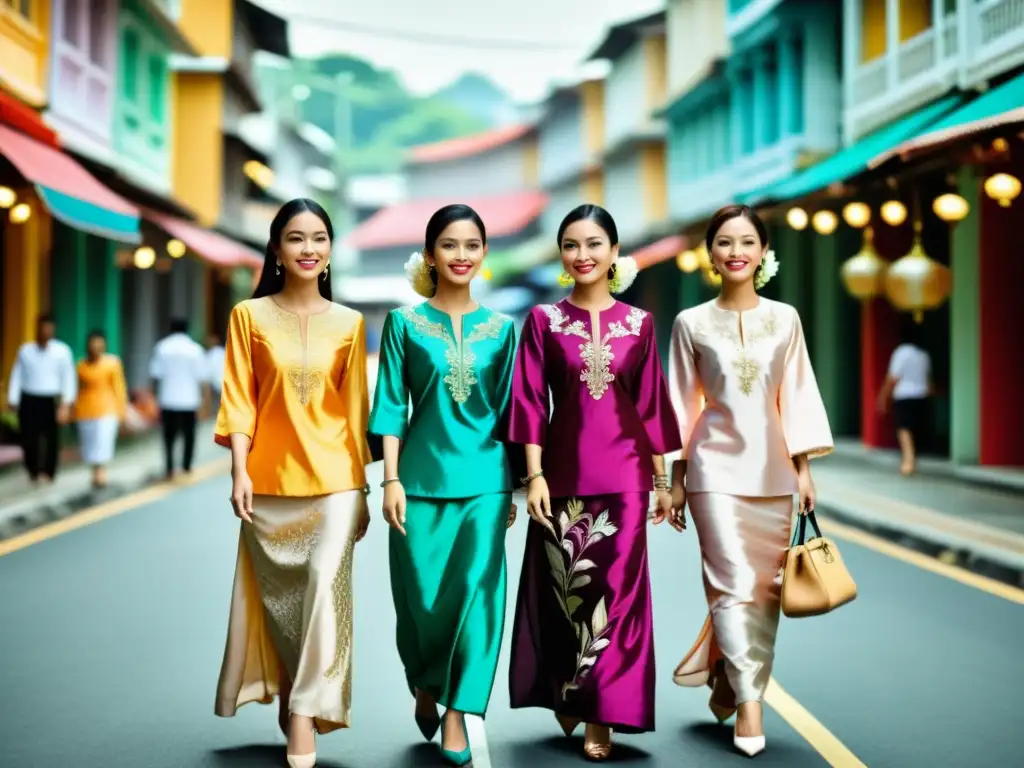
[[749, 745], [302, 761]]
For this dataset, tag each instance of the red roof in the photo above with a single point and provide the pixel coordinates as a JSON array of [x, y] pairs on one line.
[[403, 224], [467, 145], [659, 251]]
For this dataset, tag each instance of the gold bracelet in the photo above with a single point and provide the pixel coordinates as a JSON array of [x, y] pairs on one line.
[[530, 478], [388, 482]]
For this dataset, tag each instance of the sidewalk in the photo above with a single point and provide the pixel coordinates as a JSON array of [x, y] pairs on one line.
[[976, 526], [24, 507]]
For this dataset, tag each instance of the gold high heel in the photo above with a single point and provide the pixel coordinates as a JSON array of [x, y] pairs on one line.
[[597, 752], [569, 724]]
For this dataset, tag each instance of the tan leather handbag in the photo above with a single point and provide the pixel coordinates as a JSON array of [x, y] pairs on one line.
[[815, 579]]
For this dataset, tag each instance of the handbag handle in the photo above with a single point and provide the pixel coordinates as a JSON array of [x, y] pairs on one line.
[[800, 534]]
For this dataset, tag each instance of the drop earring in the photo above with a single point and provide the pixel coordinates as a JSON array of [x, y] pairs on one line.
[[565, 280], [277, 271], [323, 275]]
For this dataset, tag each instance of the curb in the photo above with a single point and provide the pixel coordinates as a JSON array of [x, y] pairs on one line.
[[20, 517], [992, 562]]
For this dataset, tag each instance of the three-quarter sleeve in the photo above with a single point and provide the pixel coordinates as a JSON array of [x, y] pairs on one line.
[[355, 390], [653, 403], [529, 406], [684, 382], [238, 396], [120, 387], [804, 420], [390, 414]]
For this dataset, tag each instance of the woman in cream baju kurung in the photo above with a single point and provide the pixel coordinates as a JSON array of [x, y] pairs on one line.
[[448, 570], [747, 404], [301, 396]]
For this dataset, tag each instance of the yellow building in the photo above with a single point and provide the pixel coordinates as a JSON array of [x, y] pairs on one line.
[[24, 54]]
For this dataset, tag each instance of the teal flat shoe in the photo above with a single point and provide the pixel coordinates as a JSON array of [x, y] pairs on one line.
[[459, 758]]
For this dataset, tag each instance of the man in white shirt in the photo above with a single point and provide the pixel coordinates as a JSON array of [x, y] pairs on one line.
[[42, 388], [214, 370], [179, 368]]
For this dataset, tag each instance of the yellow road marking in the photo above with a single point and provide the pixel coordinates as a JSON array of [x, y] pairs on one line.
[[807, 725], [925, 562], [112, 508]]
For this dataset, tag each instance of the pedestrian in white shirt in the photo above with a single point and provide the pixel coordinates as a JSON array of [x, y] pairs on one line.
[[909, 386], [179, 368], [42, 388], [214, 370]]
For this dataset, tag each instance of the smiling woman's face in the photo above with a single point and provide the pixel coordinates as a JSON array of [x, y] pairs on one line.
[[737, 250], [305, 247], [587, 252]]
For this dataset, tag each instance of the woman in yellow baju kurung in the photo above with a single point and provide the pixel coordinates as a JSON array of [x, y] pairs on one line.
[[100, 407], [294, 410]]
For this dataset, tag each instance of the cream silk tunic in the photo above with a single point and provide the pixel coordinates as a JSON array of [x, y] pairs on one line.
[[746, 398]]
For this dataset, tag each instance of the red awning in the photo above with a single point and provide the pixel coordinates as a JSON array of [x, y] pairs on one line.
[[215, 248], [403, 224], [48, 167], [660, 250], [467, 146]]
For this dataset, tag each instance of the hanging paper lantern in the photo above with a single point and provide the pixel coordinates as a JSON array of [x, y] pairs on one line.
[[1003, 188], [863, 272], [893, 213], [688, 261], [824, 222], [951, 207], [916, 282], [797, 218], [857, 215]]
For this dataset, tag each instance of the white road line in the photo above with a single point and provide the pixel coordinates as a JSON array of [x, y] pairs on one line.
[[478, 741]]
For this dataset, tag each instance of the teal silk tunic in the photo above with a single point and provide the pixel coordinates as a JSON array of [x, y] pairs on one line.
[[459, 388]]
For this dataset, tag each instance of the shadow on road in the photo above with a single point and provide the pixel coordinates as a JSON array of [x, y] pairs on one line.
[[540, 751], [260, 755]]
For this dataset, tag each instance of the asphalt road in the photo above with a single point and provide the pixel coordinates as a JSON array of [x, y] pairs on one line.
[[111, 638]]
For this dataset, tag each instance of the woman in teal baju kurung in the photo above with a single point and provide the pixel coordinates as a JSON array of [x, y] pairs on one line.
[[448, 569]]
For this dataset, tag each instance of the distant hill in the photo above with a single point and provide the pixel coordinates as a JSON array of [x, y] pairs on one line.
[[387, 119]]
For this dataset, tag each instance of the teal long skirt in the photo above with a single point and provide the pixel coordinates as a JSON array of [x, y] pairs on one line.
[[448, 583]]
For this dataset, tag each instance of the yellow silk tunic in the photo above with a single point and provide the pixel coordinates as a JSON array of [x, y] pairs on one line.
[[746, 398], [303, 403], [101, 389]]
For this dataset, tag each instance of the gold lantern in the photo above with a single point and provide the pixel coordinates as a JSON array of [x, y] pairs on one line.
[[951, 207], [916, 282], [797, 218], [175, 249], [863, 272], [1003, 188], [20, 213], [824, 222], [893, 213], [145, 257], [857, 215], [7, 197]]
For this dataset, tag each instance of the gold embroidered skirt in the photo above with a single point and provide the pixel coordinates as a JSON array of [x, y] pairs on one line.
[[743, 543], [291, 608]]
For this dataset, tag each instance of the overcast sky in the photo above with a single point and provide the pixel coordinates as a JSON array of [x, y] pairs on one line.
[[431, 42]]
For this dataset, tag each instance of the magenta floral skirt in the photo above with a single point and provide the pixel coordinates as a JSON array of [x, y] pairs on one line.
[[583, 640]]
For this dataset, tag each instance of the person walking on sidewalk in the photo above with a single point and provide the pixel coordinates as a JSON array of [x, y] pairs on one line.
[[179, 368], [101, 405], [448, 489], [750, 416], [908, 385], [583, 640], [294, 413], [42, 389]]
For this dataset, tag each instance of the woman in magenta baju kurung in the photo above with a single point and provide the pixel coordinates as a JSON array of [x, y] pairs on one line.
[[583, 642]]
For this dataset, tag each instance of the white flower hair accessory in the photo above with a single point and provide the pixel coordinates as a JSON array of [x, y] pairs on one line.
[[768, 268], [418, 272], [626, 271]]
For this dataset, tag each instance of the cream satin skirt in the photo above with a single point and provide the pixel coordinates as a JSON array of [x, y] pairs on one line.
[[291, 608], [743, 543]]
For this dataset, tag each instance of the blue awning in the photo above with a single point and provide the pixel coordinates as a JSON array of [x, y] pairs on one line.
[[852, 160], [71, 193]]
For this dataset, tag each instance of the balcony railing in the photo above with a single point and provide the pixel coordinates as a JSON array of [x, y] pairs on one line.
[[966, 48]]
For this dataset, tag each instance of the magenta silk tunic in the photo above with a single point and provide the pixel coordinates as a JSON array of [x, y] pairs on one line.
[[611, 407]]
